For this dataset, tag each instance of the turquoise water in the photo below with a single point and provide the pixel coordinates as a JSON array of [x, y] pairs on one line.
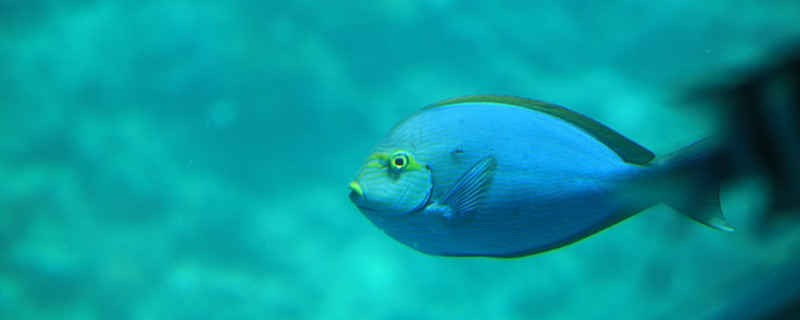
[[190, 159]]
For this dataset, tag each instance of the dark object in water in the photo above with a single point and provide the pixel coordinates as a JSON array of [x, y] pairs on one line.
[[761, 114]]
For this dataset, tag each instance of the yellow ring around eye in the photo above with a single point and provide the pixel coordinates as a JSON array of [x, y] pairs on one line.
[[398, 161]]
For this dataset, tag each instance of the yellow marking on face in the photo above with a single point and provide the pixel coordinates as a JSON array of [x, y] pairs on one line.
[[377, 160], [409, 161], [374, 164], [378, 156], [356, 188], [398, 161]]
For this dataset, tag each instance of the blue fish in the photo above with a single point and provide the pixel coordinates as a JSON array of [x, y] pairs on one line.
[[507, 177]]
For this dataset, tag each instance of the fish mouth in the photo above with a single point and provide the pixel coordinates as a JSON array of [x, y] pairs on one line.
[[356, 193], [355, 189], [367, 210], [359, 199], [357, 196]]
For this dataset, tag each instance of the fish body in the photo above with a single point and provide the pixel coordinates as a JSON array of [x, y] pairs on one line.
[[501, 177]]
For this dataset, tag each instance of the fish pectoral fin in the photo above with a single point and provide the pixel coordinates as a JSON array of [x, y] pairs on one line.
[[465, 195]]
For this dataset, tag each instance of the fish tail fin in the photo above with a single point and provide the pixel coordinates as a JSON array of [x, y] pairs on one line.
[[694, 175]]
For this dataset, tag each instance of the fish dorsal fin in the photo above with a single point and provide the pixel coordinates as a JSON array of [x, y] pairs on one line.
[[628, 150]]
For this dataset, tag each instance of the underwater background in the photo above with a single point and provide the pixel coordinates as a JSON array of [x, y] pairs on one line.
[[190, 159]]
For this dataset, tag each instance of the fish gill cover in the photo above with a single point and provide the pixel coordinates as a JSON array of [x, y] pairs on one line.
[[190, 159]]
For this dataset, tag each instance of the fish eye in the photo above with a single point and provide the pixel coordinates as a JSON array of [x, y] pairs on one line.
[[398, 161]]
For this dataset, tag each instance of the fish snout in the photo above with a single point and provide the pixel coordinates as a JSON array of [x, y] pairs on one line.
[[356, 193]]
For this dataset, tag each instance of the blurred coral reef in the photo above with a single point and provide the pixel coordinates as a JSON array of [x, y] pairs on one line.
[[185, 159]]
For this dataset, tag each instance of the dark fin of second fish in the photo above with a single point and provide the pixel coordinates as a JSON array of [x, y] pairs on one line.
[[465, 195], [694, 183]]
